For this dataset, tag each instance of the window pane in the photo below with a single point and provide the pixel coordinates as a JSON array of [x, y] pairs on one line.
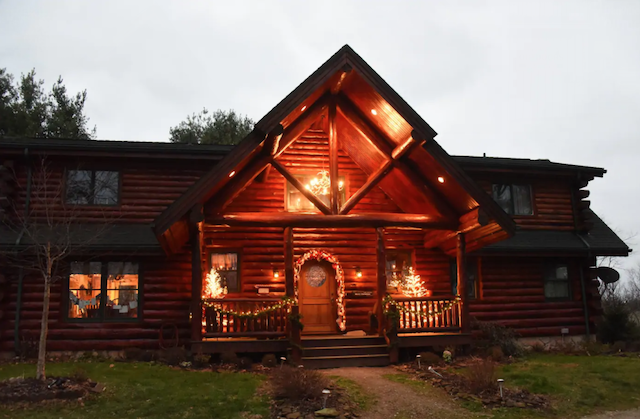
[[230, 280], [227, 266], [106, 188], [296, 201], [556, 289], [522, 200], [79, 186], [84, 290], [397, 265], [502, 195], [562, 273], [122, 290]]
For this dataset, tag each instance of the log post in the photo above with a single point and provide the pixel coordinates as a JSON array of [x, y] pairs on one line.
[[381, 279], [295, 339], [461, 262], [391, 334], [196, 274], [288, 262]]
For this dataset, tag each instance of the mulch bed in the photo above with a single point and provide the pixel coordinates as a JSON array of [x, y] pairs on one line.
[[338, 400], [457, 386], [18, 389]]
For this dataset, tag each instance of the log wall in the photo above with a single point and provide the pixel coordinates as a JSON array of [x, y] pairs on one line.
[[166, 295]]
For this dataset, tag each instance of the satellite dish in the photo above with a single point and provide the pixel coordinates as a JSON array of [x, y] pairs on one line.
[[607, 275]]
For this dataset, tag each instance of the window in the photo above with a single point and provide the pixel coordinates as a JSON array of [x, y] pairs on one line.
[[556, 282], [514, 199], [397, 265], [472, 278], [92, 187], [296, 201], [103, 291], [227, 266]]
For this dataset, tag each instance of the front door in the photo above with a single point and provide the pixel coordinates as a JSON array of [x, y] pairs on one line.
[[317, 295]]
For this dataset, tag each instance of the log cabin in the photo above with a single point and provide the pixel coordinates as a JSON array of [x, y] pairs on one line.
[[338, 230]]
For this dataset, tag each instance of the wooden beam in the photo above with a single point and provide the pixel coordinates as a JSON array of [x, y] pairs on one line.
[[381, 279], [288, 261], [404, 148], [371, 182], [472, 220], [378, 140], [300, 187], [461, 262], [271, 146], [368, 220], [333, 158], [196, 281], [435, 238], [302, 123], [346, 71]]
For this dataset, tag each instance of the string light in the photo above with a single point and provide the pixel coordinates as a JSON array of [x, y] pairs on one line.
[[425, 314], [213, 285], [250, 314], [321, 184], [412, 285]]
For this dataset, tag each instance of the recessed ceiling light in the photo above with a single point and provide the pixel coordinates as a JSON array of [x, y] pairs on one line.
[[374, 112], [440, 179], [232, 173], [303, 108]]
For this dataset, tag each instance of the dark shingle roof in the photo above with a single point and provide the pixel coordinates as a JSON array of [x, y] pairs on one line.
[[599, 241], [504, 163]]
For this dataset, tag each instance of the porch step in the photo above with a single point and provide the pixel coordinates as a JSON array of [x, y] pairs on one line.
[[346, 361], [332, 341], [328, 351]]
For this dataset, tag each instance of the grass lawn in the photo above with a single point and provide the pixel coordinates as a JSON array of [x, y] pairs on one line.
[[141, 390], [577, 385], [362, 399]]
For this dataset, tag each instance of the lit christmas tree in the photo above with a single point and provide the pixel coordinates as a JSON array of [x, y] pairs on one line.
[[213, 286], [412, 285]]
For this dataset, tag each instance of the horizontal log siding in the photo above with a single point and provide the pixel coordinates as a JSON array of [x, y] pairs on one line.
[[307, 156], [145, 192], [165, 301], [512, 292], [552, 206]]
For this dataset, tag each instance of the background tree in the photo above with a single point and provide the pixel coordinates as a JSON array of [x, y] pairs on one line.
[[219, 127], [26, 110]]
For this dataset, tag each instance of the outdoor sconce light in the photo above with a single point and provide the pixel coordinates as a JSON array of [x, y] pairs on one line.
[[500, 381], [358, 273], [276, 274], [325, 396]]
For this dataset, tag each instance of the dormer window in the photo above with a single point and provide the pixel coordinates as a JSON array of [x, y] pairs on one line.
[[514, 199], [92, 187]]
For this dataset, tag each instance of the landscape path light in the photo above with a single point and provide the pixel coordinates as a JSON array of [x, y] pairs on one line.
[[283, 359], [435, 372], [500, 381], [418, 359], [325, 395]]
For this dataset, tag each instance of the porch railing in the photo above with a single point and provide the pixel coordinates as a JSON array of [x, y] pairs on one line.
[[245, 317], [428, 314]]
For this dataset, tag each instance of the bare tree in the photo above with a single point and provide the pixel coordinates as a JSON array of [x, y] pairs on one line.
[[47, 226]]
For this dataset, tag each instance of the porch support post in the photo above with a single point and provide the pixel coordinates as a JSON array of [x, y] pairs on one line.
[[461, 262], [195, 221], [288, 261], [381, 279]]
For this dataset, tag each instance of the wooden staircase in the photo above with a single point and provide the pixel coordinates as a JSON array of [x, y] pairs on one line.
[[344, 351]]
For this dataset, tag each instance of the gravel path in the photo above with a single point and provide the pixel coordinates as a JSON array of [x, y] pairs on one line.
[[626, 414], [396, 400]]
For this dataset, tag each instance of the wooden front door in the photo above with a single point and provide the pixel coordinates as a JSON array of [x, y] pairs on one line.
[[317, 290]]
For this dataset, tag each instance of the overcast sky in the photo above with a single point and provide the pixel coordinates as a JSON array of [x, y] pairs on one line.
[[535, 79]]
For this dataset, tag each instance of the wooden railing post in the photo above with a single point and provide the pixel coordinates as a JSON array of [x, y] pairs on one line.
[[381, 278], [295, 334]]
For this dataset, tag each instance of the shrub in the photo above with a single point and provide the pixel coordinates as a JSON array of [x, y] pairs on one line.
[[298, 384], [229, 358], [79, 374], [133, 354], [496, 354], [201, 360], [504, 337], [429, 359], [482, 376], [594, 348], [244, 363], [617, 322], [148, 356], [565, 346], [619, 346], [173, 356], [269, 360], [539, 347]]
